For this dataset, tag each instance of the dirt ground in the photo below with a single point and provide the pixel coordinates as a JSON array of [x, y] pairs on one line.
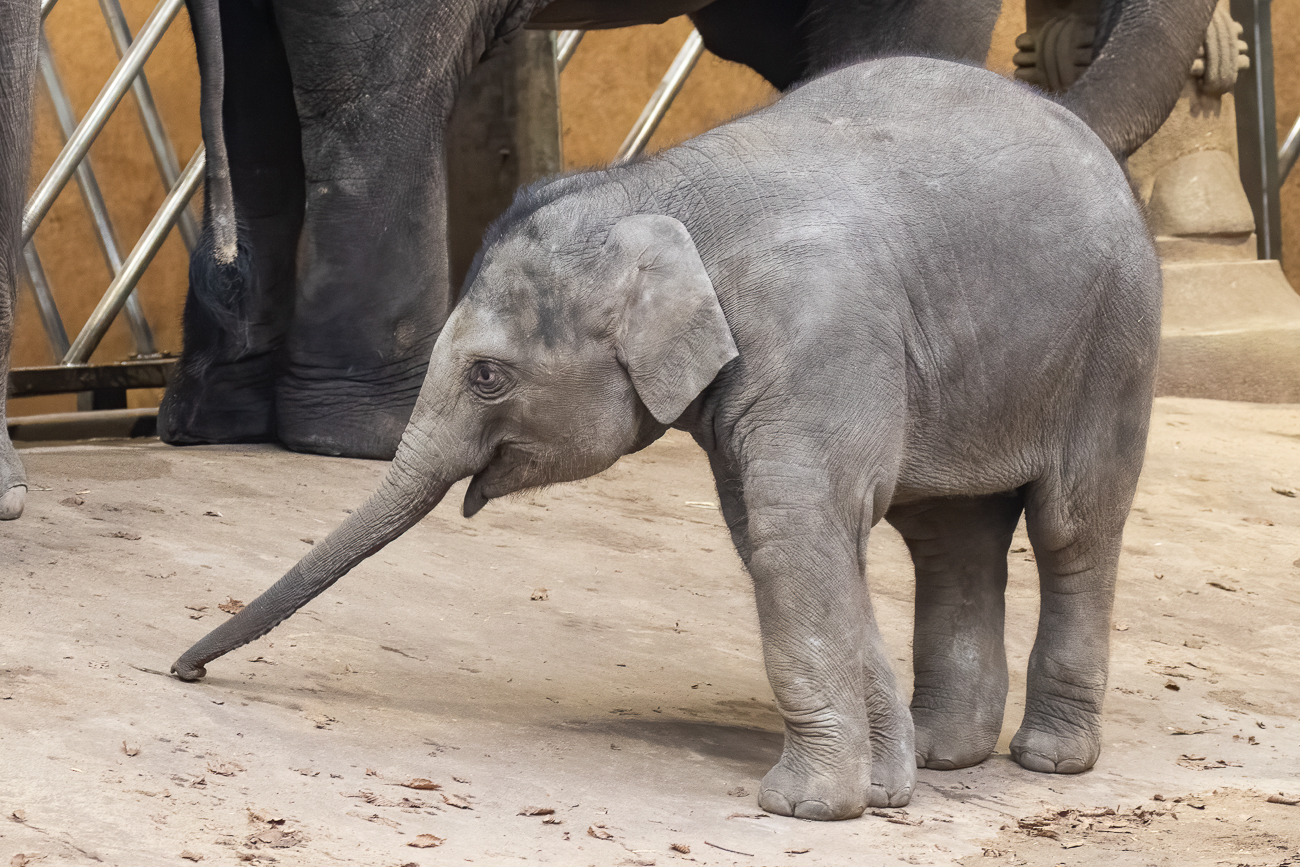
[[592, 650]]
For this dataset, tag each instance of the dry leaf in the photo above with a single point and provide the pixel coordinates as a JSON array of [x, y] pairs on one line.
[[552, 820], [275, 837], [213, 514], [231, 605], [19, 815], [225, 769], [599, 832], [1280, 798], [191, 856], [264, 816], [425, 841], [681, 847], [537, 811], [130, 750], [456, 801], [422, 784], [1286, 492]]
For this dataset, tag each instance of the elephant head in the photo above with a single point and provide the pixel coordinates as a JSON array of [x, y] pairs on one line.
[[563, 355]]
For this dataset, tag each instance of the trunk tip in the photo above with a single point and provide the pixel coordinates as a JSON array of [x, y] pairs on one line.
[[187, 671]]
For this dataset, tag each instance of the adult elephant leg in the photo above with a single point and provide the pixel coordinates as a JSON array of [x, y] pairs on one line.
[[765, 35], [839, 31], [374, 88], [959, 548], [237, 314], [19, 20]]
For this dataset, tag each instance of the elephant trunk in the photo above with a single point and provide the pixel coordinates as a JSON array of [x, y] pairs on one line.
[[408, 493]]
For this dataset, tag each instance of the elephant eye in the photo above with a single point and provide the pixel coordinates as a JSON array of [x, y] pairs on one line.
[[486, 379]]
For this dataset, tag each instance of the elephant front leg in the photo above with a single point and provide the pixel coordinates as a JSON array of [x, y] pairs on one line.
[[374, 89], [848, 738]]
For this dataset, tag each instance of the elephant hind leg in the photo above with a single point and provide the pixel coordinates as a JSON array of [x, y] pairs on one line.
[[959, 549], [237, 314]]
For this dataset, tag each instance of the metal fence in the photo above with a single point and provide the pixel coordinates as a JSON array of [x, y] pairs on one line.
[[106, 383]]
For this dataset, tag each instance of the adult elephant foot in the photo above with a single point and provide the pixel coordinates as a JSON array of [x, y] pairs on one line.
[[347, 413], [219, 402], [1052, 752], [13, 482]]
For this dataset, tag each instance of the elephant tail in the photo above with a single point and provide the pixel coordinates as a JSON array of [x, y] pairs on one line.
[[219, 198], [1142, 53], [405, 496]]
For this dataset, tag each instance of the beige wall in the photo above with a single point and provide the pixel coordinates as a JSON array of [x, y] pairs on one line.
[[603, 90]]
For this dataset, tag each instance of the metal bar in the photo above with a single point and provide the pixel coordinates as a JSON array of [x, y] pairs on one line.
[[94, 199], [1257, 126], [1288, 153], [62, 379], [566, 42], [164, 155], [45, 306], [145, 249], [662, 99], [102, 424], [80, 141], [46, 6]]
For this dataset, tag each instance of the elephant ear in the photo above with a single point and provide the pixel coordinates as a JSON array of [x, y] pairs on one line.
[[672, 337]]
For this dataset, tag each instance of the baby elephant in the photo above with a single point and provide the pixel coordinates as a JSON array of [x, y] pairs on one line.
[[908, 290]]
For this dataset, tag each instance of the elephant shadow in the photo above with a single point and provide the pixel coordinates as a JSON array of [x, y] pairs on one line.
[[752, 749]]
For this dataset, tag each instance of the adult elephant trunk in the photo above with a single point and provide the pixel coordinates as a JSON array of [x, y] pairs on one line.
[[408, 492]]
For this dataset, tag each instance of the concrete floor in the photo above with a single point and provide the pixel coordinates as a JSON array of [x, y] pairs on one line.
[[592, 650]]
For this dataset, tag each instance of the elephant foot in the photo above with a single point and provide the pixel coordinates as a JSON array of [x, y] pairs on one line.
[[946, 742], [1049, 752], [824, 794], [13, 481], [12, 503], [226, 402], [893, 744], [352, 414]]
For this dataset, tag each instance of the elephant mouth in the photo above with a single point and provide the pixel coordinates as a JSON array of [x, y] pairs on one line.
[[475, 498]]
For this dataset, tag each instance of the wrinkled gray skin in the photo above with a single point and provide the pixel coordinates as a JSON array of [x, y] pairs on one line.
[[19, 20], [909, 290]]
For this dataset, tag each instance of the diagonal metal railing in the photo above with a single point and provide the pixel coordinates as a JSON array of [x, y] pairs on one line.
[[73, 371]]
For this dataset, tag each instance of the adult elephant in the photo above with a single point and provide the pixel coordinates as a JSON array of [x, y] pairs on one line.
[[323, 281], [19, 20]]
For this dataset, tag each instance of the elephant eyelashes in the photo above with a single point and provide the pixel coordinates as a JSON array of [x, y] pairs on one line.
[[487, 379]]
